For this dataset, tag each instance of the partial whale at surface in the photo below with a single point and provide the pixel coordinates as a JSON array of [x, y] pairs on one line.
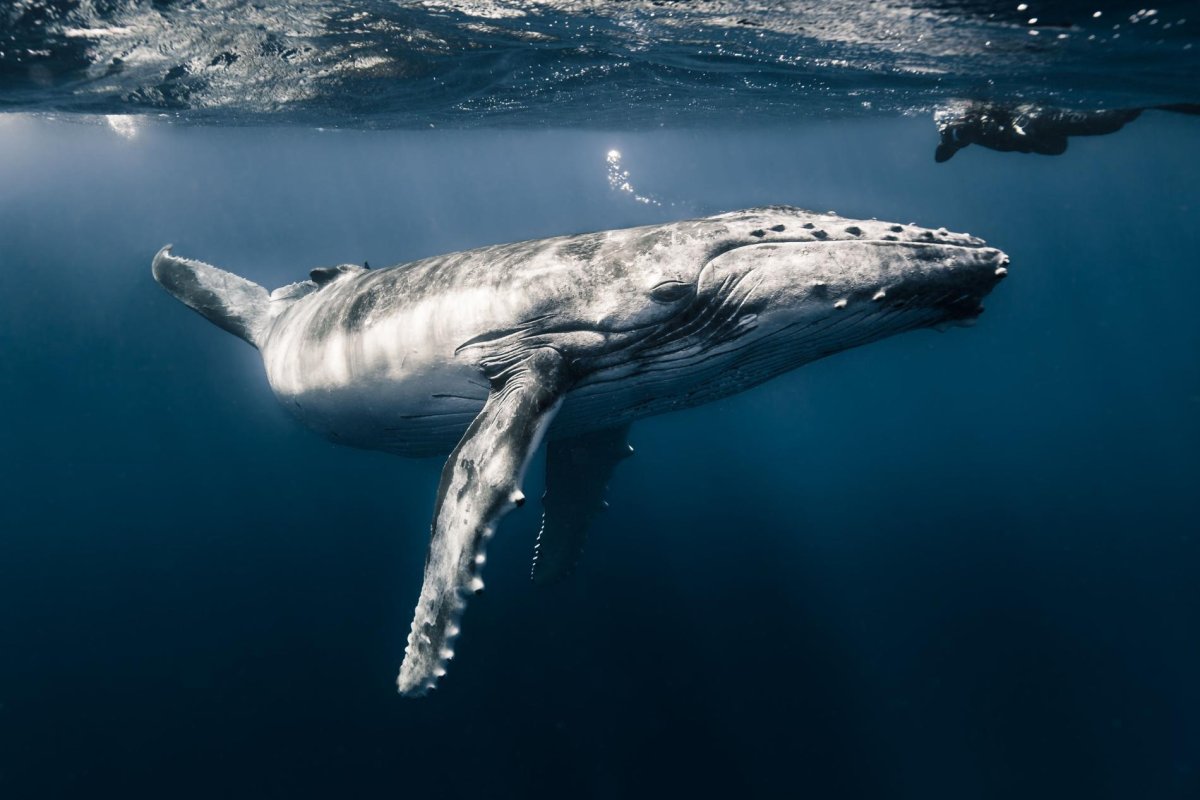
[[1029, 128], [483, 354]]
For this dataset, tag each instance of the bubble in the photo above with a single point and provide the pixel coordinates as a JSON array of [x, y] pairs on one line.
[[618, 179]]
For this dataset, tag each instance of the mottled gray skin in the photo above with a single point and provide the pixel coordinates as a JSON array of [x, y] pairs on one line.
[[482, 353]]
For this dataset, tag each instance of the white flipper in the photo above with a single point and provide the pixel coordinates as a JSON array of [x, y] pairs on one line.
[[480, 484]]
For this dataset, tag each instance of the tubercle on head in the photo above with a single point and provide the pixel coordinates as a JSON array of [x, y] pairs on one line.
[[806, 226]]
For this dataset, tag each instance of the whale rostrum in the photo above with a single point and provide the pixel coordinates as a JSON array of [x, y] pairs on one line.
[[483, 354]]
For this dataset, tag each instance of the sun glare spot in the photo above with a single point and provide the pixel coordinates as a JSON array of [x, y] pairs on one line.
[[124, 125]]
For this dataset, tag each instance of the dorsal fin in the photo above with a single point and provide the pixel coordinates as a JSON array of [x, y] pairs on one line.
[[324, 275]]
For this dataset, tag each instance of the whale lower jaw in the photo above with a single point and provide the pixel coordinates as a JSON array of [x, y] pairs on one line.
[[964, 322]]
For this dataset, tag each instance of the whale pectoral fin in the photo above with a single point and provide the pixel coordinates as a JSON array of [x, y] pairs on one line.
[[577, 474], [480, 484]]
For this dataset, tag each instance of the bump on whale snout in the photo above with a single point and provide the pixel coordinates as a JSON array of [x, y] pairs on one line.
[[963, 308]]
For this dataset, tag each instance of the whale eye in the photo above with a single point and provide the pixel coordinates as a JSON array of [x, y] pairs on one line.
[[670, 291]]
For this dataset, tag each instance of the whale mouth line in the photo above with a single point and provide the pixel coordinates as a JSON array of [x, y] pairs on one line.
[[544, 325]]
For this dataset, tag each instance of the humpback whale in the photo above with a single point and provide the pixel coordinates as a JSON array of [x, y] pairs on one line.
[[482, 354], [1029, 128]]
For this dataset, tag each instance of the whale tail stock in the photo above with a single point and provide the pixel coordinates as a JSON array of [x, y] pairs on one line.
[[239, 306], [1180, 108]]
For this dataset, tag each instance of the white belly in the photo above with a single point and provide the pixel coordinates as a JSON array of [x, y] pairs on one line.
[[395, 385], [402, 382]]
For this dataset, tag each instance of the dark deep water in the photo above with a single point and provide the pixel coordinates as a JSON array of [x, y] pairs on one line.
[[941, 566]]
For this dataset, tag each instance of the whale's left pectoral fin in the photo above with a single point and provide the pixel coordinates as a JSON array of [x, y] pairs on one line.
[[578, 470], [480, 484]]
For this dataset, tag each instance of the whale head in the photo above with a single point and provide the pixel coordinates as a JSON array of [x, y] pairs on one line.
[[774, 288]]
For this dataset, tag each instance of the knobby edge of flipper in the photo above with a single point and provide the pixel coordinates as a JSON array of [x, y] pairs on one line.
[[480, 483], [578, 470]]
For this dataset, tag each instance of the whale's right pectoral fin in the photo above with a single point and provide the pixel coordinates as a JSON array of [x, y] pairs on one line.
[[480, 484], [578, 470]]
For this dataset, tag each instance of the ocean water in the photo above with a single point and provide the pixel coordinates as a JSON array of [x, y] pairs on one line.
[[944, 565]]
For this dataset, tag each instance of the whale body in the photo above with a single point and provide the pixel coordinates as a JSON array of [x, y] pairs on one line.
[[1030, 128], [481, 354]]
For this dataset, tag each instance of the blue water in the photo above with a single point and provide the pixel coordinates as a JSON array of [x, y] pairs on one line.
[[957, 565], [943, 565]]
